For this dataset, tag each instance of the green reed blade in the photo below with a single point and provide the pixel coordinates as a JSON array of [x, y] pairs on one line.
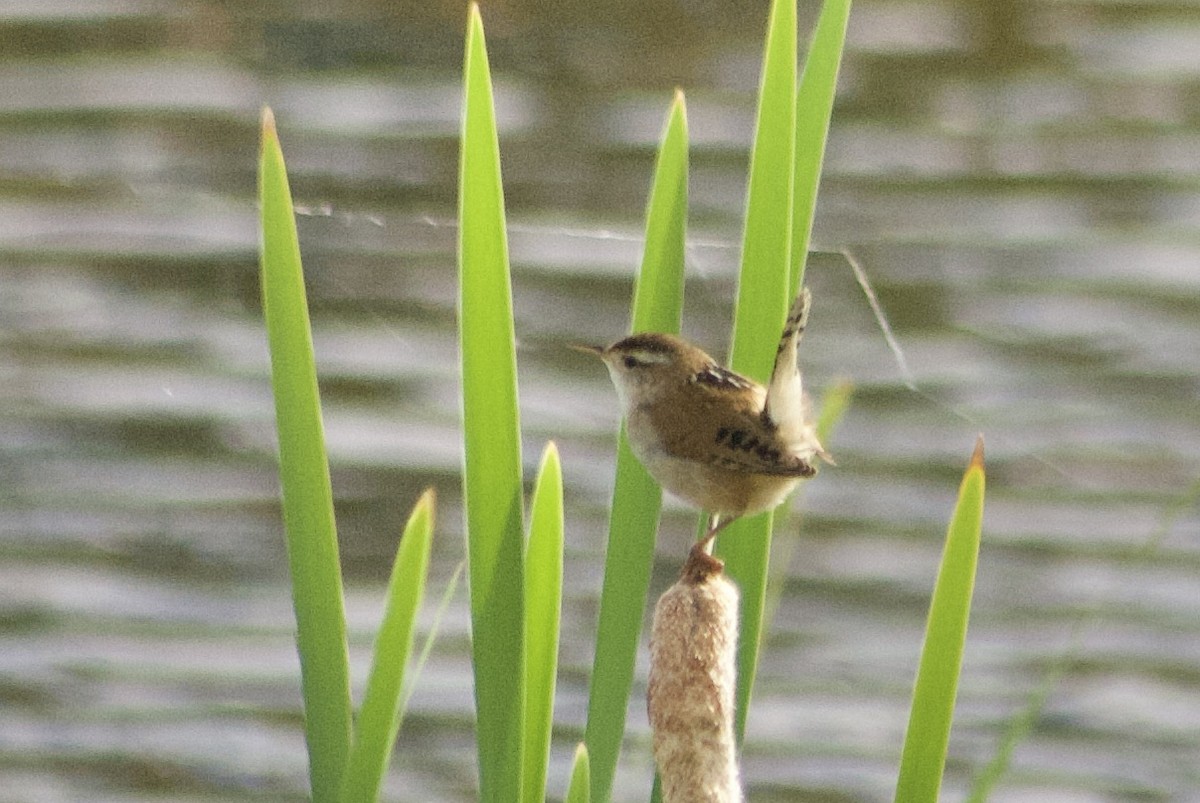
[[304, 477], [785, 170], [762, 304], [924, 756], [543, 607], [435, 627], [814, 107], [633, 523], [835, 401], [492, 446], [579, 789], [762, 298], [379, 717]]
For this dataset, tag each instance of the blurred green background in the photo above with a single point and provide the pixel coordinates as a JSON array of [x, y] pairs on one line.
[[1019, 180]]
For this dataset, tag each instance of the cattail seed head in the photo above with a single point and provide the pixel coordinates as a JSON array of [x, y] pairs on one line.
[[693, 673]]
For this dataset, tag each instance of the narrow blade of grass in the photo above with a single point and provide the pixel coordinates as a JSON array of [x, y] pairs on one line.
[[304, 477], [1019, 728], [578, 790], [633, 524], [1023, 722], [658, 294], [543, 605], [492, 448], [785, 171], [814, 107], [924, 755], [834, 404], [414, 676], [379, 717], [762, 304], [762, 300]]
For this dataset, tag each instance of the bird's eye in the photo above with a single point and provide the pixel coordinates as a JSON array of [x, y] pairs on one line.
[[630, 362]]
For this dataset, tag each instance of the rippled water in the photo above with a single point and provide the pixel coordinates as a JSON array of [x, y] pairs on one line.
[[1019, 182]]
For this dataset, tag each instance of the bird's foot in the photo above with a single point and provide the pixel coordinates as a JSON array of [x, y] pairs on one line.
[[700, 565]]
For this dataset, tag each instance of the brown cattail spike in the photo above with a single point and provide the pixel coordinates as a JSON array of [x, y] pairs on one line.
[[693, 674]]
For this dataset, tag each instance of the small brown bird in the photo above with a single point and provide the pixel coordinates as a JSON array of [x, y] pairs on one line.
[[712, 437]]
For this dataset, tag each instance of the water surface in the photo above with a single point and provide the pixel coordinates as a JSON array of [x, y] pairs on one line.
[[1019, 182]]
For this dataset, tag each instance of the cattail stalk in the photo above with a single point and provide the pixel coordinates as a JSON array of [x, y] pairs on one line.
[[693, 673]]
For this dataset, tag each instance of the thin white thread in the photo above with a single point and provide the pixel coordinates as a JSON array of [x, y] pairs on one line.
[[578, 234], [326, 210], [693, 246], [909, 379], [886, 328]]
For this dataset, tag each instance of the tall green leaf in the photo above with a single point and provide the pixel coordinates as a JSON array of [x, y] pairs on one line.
[[658, 291], [924, 757], [834, 403], [785, 172], [762, 299], [814, 107], [304, 476], [579, 789], [492, 483], [633, 523], [379, 717], [543, 606], [762, 304]]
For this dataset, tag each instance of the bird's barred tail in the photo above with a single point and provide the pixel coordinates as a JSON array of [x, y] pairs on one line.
[[797, 320], [785, 406]]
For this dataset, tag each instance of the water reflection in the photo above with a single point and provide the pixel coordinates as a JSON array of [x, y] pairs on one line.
[[1016, 179]]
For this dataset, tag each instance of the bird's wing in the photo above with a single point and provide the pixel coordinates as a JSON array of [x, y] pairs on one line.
[[730, 431], [755, 449]]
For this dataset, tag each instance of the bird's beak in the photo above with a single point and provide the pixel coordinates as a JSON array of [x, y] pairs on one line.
[[595, 351]]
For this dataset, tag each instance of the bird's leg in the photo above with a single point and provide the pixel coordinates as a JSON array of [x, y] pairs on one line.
[[715, 525], [700, 562]]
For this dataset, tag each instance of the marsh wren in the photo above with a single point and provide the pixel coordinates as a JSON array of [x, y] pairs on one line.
[[714, 438]]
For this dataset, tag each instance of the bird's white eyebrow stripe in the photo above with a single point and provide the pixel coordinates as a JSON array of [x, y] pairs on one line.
[[648, 355]]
